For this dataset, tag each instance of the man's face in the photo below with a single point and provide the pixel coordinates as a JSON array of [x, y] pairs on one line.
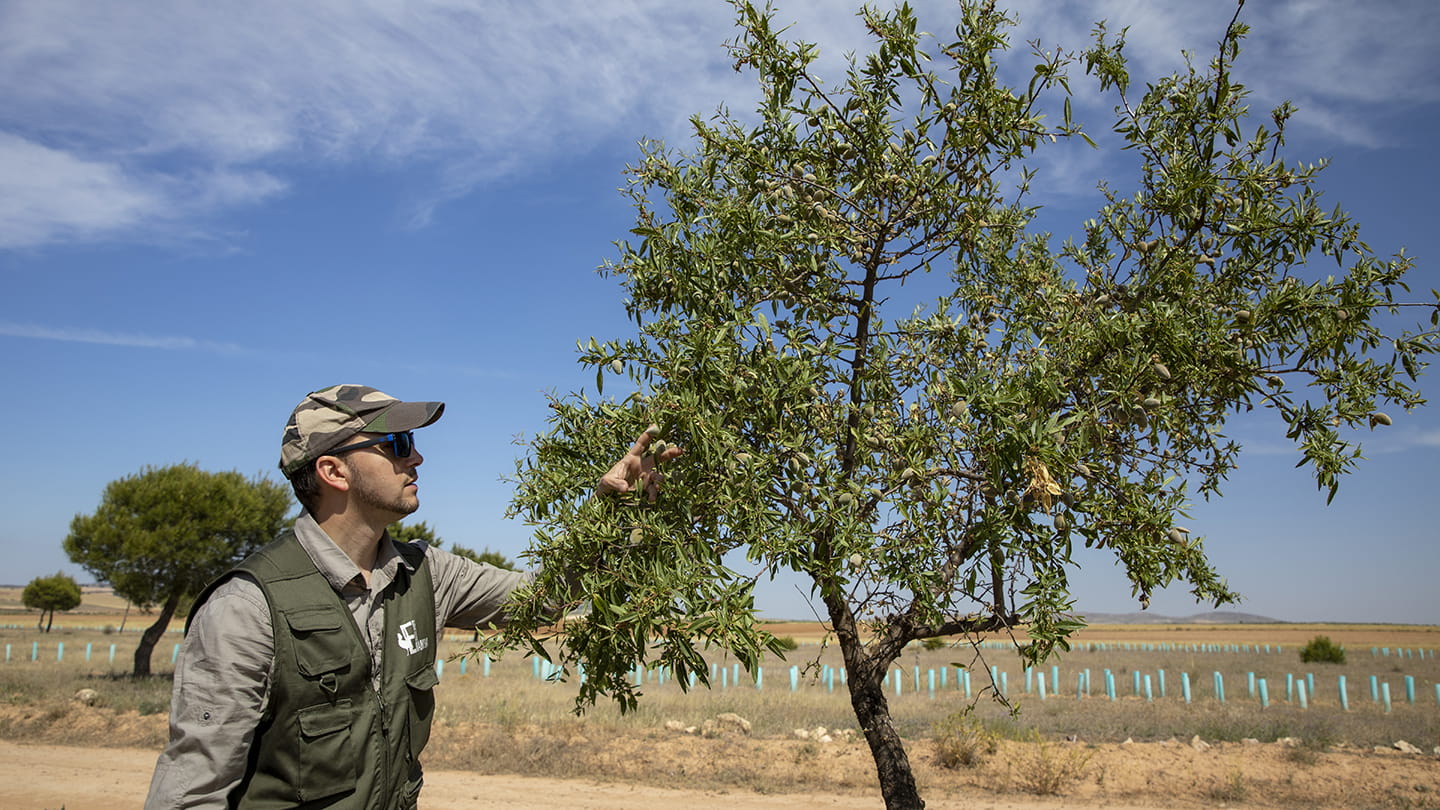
[[382, 482]]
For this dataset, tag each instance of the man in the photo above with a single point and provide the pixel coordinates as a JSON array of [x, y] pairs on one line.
[[306, 673]]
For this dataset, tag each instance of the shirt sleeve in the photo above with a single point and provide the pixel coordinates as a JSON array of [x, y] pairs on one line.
[[222, 686], [470, 594]]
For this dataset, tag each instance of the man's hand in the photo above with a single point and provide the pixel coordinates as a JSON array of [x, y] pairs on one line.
[[637, 468]]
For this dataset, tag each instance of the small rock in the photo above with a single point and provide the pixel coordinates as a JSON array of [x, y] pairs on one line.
[[1250, 741], [729, 722], [802, 734], [1128, 741], [1289, 742], [87, 697], [1406, 748], [1199, 744], [733, 721], [1382, 749], [1437, 751]]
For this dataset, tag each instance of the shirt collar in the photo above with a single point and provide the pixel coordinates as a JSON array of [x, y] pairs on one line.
[[336, 566]]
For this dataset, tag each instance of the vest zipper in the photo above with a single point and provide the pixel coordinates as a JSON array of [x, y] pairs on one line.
[[387, 769]]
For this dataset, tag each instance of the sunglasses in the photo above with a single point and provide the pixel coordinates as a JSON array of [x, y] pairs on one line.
[[401, 445]]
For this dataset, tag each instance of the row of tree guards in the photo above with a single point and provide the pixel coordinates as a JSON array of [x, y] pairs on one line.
[[1375, 652], [1252, 649], [1298, 689]]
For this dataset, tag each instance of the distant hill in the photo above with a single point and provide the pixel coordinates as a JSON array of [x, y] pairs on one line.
[[1213, 617]]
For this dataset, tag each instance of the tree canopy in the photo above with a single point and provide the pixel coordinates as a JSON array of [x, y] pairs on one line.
[[164, 533], [931, 466], [49, 594]]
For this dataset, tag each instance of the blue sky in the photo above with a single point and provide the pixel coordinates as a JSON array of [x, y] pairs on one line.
[[209, 209]]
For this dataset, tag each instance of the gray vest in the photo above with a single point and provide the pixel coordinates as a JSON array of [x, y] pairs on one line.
[[328, 738]]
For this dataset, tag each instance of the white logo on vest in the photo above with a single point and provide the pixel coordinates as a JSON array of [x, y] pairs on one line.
[[407, 640]]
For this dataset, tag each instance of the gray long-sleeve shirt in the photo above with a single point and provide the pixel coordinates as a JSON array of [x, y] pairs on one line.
[[222, 675]]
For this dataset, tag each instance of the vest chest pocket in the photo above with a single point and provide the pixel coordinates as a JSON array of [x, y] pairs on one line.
[[328, 762], [321, 642]]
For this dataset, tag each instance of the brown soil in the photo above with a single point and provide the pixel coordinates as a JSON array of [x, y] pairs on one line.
[[665, 769]]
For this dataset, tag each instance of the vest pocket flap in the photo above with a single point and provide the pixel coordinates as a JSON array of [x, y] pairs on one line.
[[318, 721], [423, 679], [312, 620], [320, 642]]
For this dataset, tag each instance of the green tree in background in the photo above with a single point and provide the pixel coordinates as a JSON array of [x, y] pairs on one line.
[[161, 535], [488, 557], [402, 532], [49, 594], [930, 464], [410, 532]]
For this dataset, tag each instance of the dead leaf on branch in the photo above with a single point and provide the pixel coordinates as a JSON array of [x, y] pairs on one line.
[[1042, 487]]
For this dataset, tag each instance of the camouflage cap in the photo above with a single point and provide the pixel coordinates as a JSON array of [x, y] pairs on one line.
[[328, 417]]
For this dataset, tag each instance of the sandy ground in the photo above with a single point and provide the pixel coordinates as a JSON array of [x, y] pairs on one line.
[[50, 776], [1138, 776]]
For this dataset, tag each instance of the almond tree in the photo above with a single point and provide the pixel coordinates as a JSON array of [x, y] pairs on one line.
[[930, 465]]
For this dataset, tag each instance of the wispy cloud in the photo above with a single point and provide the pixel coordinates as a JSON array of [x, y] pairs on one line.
[[1349, 66], [115, 121], [1401, 439], [1427, 438], [128, 339], [47, 194], [220, 102]]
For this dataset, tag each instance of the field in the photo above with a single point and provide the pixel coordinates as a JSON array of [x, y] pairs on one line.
[[504, 721]]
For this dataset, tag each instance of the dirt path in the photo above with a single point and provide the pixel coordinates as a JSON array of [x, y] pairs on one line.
[[48, 777]]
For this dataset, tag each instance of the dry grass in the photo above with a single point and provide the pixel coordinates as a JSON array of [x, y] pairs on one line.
[[1050, 768], [961, 741], [512, 698]]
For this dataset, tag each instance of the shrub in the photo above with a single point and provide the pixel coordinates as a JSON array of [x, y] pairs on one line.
[[933, 643], [1050, 769], [963, 741], [787, 643], [1323, 651], [1232, 789]]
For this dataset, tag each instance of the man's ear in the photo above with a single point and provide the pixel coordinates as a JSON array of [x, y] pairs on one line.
[[330, 471]]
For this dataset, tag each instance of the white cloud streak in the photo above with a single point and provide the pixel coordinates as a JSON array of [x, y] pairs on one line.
[[119, 120], [125, 339]]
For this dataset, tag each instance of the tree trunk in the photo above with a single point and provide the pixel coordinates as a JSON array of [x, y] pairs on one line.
[[40, 625], [51, 622], [872, 710], [152, 636], [867, 670]]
